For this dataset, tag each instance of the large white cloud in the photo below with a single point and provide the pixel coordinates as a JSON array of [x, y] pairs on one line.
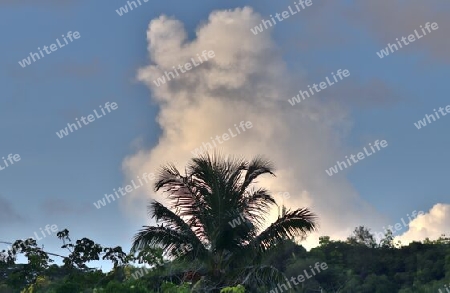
[[432, 225], [247, 80]]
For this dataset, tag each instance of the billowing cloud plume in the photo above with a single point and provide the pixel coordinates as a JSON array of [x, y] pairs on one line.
[[247, 80], [432, 225]]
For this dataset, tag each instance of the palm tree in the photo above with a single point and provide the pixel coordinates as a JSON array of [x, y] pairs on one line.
[[203, 204]]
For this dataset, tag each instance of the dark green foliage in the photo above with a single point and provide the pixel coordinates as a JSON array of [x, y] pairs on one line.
[[244, 258], [68, 288], [352, 267]]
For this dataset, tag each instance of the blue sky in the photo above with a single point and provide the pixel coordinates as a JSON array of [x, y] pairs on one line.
[[57, 180]]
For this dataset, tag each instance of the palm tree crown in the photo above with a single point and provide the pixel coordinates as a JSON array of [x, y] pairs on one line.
[[204, 202]]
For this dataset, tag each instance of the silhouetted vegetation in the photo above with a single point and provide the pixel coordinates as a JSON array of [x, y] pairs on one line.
[[226, 258]]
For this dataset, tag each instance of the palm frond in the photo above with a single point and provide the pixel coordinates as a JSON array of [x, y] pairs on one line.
[[168, 176], [185, 195], [256, 205], [175, 222], [292, 224], [160, 236], [257, 167]]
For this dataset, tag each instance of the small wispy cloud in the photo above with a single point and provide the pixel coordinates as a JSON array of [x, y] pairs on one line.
[[7, 212], [60, 206]]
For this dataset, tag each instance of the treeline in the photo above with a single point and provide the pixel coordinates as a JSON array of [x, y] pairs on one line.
[[358, 265]]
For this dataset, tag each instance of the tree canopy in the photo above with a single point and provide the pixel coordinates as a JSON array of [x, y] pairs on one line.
[[213, 237]]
